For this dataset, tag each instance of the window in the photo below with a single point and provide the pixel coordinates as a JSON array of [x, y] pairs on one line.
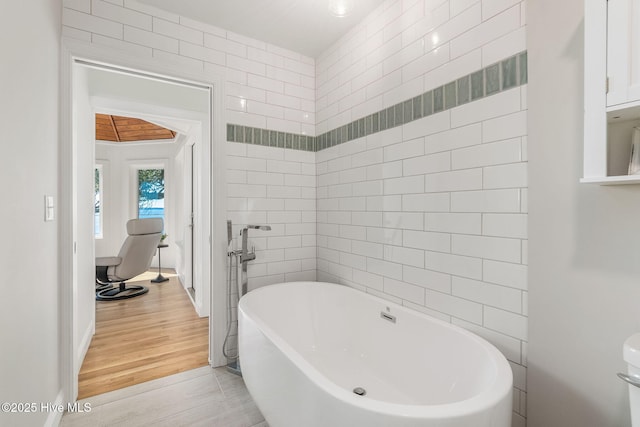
[[151, 193], [98, 205]]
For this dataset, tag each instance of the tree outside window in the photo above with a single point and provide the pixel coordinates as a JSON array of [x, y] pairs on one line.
[[151, 193]]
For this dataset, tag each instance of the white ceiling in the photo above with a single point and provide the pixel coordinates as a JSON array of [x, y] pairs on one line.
[[304, 26]]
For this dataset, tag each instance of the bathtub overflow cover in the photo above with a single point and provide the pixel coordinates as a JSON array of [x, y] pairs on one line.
[[360, 391]]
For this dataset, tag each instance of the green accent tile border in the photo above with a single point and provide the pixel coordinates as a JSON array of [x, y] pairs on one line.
[[270, 138], [495, 78], [492, 79]]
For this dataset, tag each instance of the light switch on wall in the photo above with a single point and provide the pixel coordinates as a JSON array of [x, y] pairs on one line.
[[49, 208]]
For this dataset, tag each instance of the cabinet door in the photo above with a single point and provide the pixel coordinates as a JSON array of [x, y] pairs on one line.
[[623, 51]]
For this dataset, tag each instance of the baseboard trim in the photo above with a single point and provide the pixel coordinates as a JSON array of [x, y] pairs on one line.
[[85, 343], [55, 417], [195, 304]]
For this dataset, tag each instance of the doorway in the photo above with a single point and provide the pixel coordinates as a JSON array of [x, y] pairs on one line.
[[148, 176], [77, 246]]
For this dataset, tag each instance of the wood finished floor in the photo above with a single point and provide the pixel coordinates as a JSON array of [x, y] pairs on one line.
[[144, 338], [201, 397]]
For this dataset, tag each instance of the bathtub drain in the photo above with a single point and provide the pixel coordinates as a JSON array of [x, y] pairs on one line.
[[360, 391]]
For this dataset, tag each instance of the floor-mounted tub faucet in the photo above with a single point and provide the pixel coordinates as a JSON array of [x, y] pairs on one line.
[[246, 256]]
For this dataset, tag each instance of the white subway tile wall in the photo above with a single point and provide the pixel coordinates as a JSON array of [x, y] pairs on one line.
[[274, 186], [431, 213]]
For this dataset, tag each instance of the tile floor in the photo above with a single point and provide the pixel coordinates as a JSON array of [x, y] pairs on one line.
[[200, 397]]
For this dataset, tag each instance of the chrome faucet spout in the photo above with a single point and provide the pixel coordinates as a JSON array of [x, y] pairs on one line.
[[260, 227]]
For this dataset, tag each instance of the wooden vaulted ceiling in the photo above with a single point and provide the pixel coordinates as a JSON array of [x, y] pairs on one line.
[[129, 129]]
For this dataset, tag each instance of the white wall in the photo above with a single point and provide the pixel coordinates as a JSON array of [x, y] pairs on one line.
[[182, 211], [158, 93], [584, 248], [29, 41], [431, 214]]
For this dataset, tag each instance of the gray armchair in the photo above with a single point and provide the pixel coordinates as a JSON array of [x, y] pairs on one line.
[[134, 258]]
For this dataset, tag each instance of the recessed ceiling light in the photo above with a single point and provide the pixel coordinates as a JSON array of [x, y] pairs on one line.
[[340, 8]]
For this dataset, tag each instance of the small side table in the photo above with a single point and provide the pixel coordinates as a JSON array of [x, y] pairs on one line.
[[160, 277]]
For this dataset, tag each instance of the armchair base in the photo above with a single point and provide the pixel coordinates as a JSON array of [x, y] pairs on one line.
[[123, 291]]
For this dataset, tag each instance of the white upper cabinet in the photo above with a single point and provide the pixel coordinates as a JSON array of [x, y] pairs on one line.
[[623, 51], [611, 89]]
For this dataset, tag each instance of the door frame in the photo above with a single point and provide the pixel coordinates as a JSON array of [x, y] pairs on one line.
[[77, 50], [189, 189]]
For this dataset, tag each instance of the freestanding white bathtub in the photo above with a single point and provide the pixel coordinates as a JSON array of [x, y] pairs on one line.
[[306, 346]]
